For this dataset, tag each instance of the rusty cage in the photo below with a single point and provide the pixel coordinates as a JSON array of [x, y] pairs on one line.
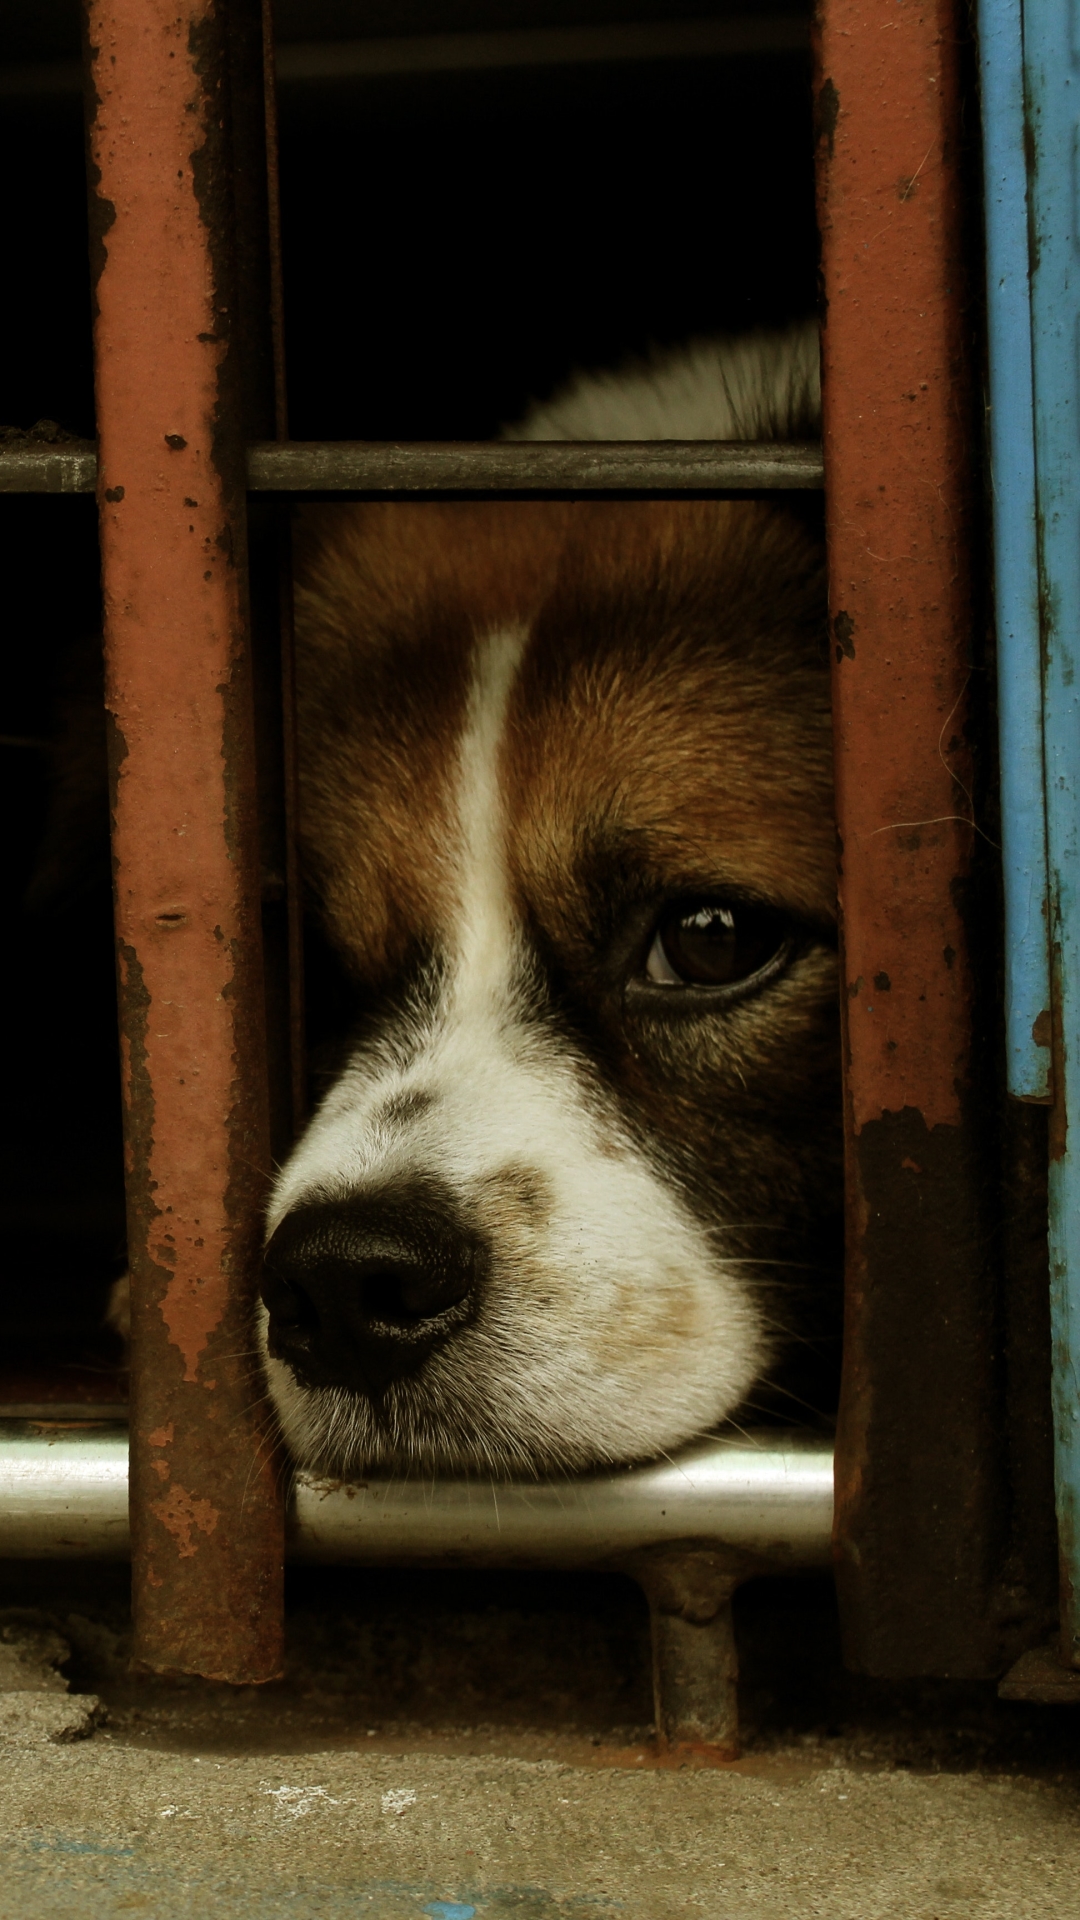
[[943, 1538]]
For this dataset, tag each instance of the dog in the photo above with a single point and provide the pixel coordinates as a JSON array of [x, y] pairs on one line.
[[566, 818]]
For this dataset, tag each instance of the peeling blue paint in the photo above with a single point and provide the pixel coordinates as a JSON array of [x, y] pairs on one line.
[[1052, 98], [1016, 563]]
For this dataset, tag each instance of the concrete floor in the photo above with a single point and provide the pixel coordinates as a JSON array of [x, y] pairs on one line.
[[478, 1749]]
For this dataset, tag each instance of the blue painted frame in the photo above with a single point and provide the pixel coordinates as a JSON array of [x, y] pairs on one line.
[[1016, 564], [1033, 229], [1052, 88]]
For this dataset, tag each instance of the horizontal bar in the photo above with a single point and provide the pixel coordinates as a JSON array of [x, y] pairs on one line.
[[552, 466], [64, 1495], [48, 469], [48, 1412], [307, 61], [448, 467], [768, 1493], [760, 32]]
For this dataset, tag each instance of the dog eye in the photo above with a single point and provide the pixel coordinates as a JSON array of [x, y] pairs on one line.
[[714, 944]]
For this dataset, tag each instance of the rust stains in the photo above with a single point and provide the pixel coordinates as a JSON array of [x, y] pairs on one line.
[[180, 1513], [207, 1553], [917, 1439], [826, 114], [843, 627], [897, 454]]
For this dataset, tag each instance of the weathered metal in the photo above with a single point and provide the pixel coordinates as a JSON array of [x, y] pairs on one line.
[[1016, 561], [532, 467], [376, 467], [918, 1502], [207, 1531], [31, 469], [695, 1656], [1052, 75]]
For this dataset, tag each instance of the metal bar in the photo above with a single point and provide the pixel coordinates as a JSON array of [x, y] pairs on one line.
[[762, 32], [273, 206], [1052, 74], [207, 1543], [695, 1655], [302, 63], [373, 467], [916, 1444], [63, 1495], [766, 1496], [1016, 566], [294, 906], [49, 469], [532, 466], [768, 1493]]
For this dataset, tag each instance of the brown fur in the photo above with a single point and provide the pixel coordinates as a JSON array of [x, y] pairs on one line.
[[667, 735]]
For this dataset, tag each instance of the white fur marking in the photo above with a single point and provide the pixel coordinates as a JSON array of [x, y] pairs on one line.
[[484, 936]]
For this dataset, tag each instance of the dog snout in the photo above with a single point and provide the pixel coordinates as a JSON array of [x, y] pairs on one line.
[[360, 1291]]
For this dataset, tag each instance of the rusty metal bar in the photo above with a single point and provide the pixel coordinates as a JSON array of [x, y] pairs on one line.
[[378, 467], [695, 1656], [917, 1501], [207, 1537]]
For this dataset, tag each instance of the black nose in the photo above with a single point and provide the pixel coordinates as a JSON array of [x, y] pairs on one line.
[[359, 1291]]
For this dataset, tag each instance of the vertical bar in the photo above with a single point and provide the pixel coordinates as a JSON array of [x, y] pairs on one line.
[[273, 199], [206, 1514], [257, 330], [1027, 974], [1016, 570], [1052, 63], [294, 910], [915, 1527], [695, 1657]]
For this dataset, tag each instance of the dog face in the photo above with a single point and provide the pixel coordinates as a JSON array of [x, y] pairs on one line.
[[566, 809]]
